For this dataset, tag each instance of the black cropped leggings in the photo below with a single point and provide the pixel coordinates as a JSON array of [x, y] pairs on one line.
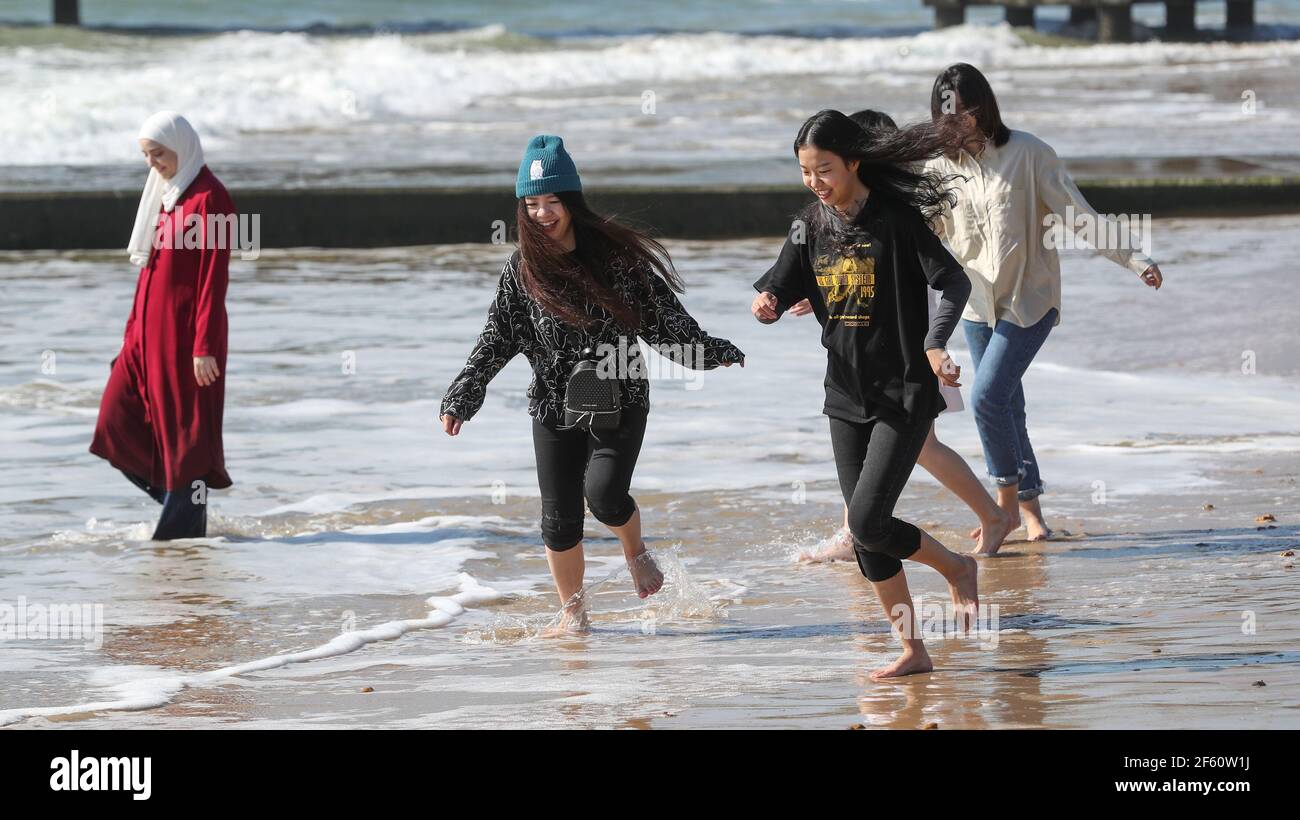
[[182, 516], [577, 464], [874, 460]]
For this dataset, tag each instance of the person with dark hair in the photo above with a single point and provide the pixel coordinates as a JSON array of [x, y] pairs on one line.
[[871, 120], [864, 256], [936, 458], [1010, 187], [160, 417], [582, 287]]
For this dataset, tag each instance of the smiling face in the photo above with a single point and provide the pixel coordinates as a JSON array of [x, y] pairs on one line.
[[834, 181], [552, 217], [160, 158]]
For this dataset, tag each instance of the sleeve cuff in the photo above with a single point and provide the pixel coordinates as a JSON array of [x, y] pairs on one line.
[[1138, 263], [721, 351], [453, 410], [784, 300]]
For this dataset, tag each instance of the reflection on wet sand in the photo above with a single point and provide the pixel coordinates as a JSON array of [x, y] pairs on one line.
[[1171, 606]]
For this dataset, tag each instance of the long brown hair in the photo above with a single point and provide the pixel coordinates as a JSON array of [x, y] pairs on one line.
[[562, 282], [977, 98]]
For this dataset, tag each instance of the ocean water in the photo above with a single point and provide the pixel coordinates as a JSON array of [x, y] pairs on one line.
[[580, 16], [360, 548], [403, 93]]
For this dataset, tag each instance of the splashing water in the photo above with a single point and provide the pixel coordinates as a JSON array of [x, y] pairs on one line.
[[835, 547], [681, 598]]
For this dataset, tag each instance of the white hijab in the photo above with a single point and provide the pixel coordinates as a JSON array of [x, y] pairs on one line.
[[175, 132]]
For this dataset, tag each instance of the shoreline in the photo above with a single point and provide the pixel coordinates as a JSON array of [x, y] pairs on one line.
[[369, 217], [1163, 459], [1056, 648]]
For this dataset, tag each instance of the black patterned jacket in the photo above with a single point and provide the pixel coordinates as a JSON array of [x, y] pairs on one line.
[[517, 324]]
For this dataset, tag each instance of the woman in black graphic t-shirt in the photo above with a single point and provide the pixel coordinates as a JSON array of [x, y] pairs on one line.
[[863, 255]]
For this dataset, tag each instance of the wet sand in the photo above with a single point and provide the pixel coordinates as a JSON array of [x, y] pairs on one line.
[[349, 513], [1116, 626]]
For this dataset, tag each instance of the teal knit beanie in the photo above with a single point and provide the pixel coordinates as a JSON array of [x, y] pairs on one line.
[[547, 168]]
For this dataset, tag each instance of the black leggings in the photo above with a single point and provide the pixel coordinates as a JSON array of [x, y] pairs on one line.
[[573, 464], [874, 460], [182, 516]]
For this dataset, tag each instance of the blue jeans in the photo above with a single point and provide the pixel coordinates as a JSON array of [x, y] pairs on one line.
[[1002, 355]]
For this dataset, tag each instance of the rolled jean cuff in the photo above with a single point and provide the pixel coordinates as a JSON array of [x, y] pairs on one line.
[[1007, 480], [1031, 493]]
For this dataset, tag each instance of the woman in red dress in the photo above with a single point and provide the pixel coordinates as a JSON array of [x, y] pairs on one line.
[[160, 416]]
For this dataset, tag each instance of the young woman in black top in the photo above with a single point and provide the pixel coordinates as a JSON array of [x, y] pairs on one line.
[[863, 255], [581, 282], [936, 458]]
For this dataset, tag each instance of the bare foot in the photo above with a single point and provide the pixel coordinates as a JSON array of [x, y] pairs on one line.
[[1037, 530], [990, 534], [911, 662], [571, 621], [964, 588], [645, 573], [840, 549]]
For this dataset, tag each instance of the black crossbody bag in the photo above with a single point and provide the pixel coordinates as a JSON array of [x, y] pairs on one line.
[[591, 401]]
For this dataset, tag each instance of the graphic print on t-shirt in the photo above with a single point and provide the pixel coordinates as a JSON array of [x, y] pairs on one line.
[[848, 284]]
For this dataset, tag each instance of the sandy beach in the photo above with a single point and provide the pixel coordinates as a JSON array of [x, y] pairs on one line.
[[367, 571], [1170, 605]]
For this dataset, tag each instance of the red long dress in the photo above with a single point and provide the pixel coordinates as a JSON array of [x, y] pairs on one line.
[[155, 421]]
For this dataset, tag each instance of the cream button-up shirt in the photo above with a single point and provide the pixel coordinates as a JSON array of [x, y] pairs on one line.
[[997, 228]]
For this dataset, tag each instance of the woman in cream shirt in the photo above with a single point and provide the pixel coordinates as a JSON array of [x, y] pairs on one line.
[[1009, 184]]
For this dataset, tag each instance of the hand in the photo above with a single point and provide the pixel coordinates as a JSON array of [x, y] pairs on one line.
[[944, 367], [1151, 276], [205, 370], [802, 308], [764, 308], [450, 425]]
